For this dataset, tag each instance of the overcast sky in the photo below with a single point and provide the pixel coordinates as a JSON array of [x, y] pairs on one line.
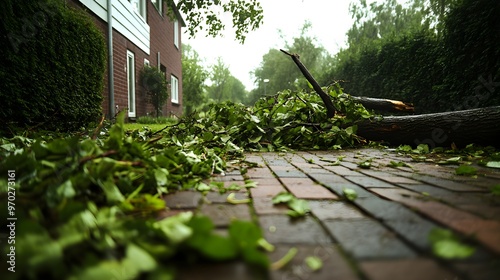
[[329, 18]]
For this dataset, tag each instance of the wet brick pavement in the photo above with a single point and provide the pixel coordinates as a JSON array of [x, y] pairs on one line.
[[383, 234]]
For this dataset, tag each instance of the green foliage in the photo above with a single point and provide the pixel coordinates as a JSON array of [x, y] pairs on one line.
[[495, 190], [466, 170], [85, 207], [224, 86], [207, 15], [158, 120], [285, 120], [50, 77], [154, 84]]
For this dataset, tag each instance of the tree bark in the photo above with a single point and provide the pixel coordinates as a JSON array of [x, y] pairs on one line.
[[385, 105], [478, 126]]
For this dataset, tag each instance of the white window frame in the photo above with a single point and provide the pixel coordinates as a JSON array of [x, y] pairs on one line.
[[159, 6], [139, 7], [176, 33], [131, 84], [174, 90]]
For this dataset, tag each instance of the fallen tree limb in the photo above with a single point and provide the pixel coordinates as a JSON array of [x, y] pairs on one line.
[[478, 126], [369, 103], [330, 109], [385, 105]]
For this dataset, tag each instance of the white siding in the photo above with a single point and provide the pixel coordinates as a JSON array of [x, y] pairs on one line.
[[129, 23]]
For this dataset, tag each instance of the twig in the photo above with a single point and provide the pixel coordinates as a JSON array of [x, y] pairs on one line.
[[98, 128]]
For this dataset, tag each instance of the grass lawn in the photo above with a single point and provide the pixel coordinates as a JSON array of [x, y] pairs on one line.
[[153, 127]]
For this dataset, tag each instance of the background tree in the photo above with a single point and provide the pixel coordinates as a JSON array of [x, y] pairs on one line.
[[194, 76], [282, 72], [224, 86]]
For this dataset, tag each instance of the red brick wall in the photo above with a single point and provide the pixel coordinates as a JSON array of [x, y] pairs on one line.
[[161, 40]]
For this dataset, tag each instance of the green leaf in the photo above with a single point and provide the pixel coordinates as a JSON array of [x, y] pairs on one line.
[[202, 187], [255, 139], [161, 176], [209, 244], [350, 194], [66, 189], [446, 245], [493, 164], [247, 236], [404, 149], [231, 199], [254, 119], [283, 197], [466, 170], [175, 228], [365, 164], [138, 260], [250, 184], [314, 263], [422, 149], [208, 136], [299, 206], [111, 191]]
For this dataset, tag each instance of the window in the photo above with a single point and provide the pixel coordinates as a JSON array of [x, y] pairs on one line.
[[159, 5], [139, 7], [146, 62], [163, 69], [176, 33], [131, 83], [175, 89]]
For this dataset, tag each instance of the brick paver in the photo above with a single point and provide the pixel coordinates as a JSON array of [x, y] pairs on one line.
[[383, 234]]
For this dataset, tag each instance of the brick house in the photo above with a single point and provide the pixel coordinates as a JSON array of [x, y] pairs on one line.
[[142, 33]]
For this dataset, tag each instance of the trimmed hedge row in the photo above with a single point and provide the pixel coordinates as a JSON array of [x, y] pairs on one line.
[[53, 64]]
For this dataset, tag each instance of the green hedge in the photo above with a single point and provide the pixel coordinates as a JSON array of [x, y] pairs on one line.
[[402, 68], [460, 70], [53, 65]]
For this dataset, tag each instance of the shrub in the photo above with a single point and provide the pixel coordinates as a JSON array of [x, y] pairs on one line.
[[53, 61], [154, 84]]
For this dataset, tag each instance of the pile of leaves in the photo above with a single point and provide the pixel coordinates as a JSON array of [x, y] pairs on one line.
[[84, 203], [287, 120]]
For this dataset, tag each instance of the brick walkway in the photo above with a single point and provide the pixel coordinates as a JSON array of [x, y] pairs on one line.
[[383, 234]]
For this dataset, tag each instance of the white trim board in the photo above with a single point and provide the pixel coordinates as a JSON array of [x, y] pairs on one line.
[[125, 20]]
